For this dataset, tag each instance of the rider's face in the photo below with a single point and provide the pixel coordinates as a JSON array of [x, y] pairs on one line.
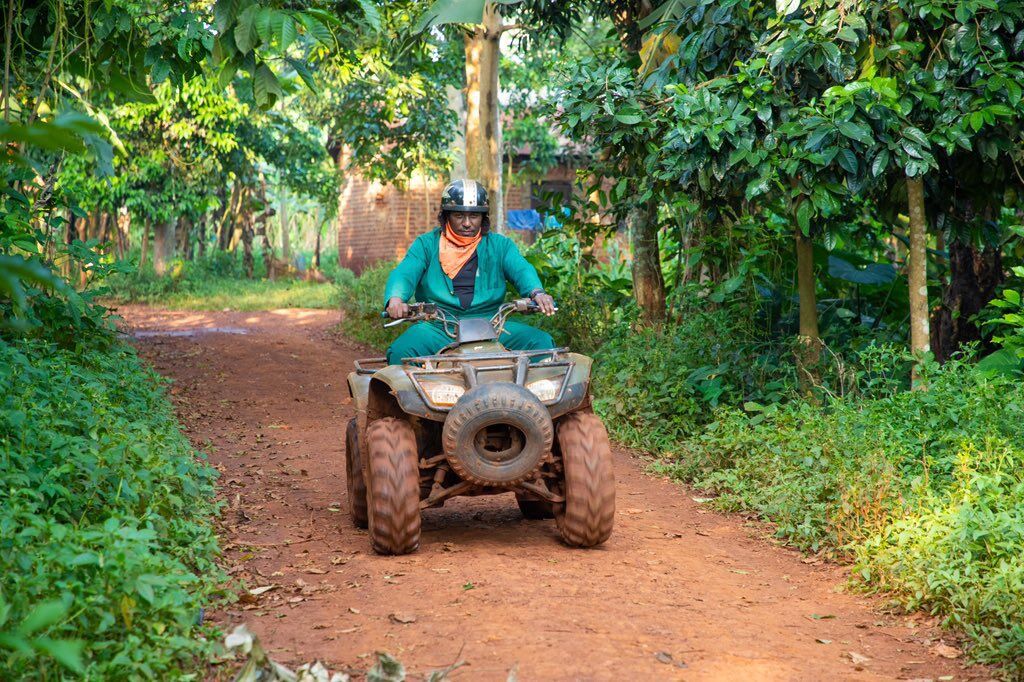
[[465, 224]]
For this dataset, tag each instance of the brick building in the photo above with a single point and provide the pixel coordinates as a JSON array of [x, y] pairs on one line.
[[378, 222]]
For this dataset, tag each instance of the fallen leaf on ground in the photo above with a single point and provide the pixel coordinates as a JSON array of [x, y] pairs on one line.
[[823, 641], [403, 618], [946, 651], [858, 659], [666, 658], [257, 591], [352, 609], [317, 571]]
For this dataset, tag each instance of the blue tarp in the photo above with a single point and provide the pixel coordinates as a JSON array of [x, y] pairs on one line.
[[527, 219]]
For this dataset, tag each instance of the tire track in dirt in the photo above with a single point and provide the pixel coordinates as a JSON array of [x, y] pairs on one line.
[[675, 585]]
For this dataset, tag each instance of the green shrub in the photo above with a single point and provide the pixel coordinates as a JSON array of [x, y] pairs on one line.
[[956, 551], [106, 517], [361, 304], [924, 488]]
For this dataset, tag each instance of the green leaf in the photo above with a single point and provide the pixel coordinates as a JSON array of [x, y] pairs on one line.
[[803, 217], [224, 12], [371, 13], [161, 68], [288, 33], [43, 616], [872, 274], [628, 119], [262, 22], [856, 131], [977, 121], [316, 29], [848, 34], [245, 35], [1003, 362], [881, 162], [451, 12], [67, 652], [265, 88], [305, 74], [847, 160], [917, 136]]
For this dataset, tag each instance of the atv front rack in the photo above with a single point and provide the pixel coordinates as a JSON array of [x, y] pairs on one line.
[[519, 365], [360, 369]]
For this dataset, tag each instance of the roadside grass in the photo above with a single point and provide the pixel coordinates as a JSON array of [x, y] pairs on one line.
[[216, 282], [242, 295], [107, 548]]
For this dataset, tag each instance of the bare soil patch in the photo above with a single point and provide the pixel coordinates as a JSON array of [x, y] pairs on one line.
[[679, 592]]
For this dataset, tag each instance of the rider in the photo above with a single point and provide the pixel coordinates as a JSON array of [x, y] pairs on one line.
[[462, 268]]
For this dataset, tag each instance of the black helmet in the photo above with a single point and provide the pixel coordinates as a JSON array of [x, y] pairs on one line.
[[468, 196]]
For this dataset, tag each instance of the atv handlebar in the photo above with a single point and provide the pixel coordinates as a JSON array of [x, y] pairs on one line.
[[431, 311]]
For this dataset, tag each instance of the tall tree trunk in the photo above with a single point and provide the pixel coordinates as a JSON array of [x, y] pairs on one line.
[[648, 282], [144, 244], [226, 226], [316, 249], [69, 236], [163, 245], [286, 247], [917, 274], [809, 351], [246, 239], [201, 237], [974, 276], [184, 236], [483, 115]]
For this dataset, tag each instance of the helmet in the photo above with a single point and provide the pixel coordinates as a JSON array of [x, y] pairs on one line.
[[468, 196]]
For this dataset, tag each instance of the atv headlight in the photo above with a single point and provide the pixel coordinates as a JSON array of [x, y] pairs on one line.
[[545, 389], [442, 393]]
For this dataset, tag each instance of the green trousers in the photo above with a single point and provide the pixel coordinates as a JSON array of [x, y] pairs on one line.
[[427, 338]]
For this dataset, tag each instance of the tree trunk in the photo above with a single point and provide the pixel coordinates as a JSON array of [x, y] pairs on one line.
[[648, 283], [316, 249], [917, 274], [184, 236], [974, 277], [246, 239], [483, 120], [226, 226], [163, 245], [201, 237], [286, 247], [809, 351], [144, 244]]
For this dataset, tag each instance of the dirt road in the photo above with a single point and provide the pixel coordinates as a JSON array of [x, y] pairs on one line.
[[679, 592]]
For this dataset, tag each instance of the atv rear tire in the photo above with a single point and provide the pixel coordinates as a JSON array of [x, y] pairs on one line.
[[535, 510], [393, 486], [588, 514], [354, 476]]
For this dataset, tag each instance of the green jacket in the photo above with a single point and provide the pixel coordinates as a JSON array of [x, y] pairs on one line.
[[498, 261]]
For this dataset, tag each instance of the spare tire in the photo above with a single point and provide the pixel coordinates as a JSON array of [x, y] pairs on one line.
[[497, 434]]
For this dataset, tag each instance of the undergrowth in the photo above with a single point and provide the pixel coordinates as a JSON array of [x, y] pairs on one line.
[[217, 282], [106, 545]]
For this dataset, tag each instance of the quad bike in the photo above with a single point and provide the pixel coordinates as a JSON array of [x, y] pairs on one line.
[[477, 419]]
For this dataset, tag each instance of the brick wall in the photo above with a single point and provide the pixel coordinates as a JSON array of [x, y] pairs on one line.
[[377, 222]]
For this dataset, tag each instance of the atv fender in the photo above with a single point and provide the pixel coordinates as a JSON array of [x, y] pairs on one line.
[[577, 390], [391, 394]]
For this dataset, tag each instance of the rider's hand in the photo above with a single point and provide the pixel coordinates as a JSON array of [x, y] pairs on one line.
[[397, 308], [546, 303]]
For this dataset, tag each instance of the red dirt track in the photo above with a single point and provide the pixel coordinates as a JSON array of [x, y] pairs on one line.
[[679, 592]]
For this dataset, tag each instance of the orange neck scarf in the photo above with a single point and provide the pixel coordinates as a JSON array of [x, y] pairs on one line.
[[456, 250]]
